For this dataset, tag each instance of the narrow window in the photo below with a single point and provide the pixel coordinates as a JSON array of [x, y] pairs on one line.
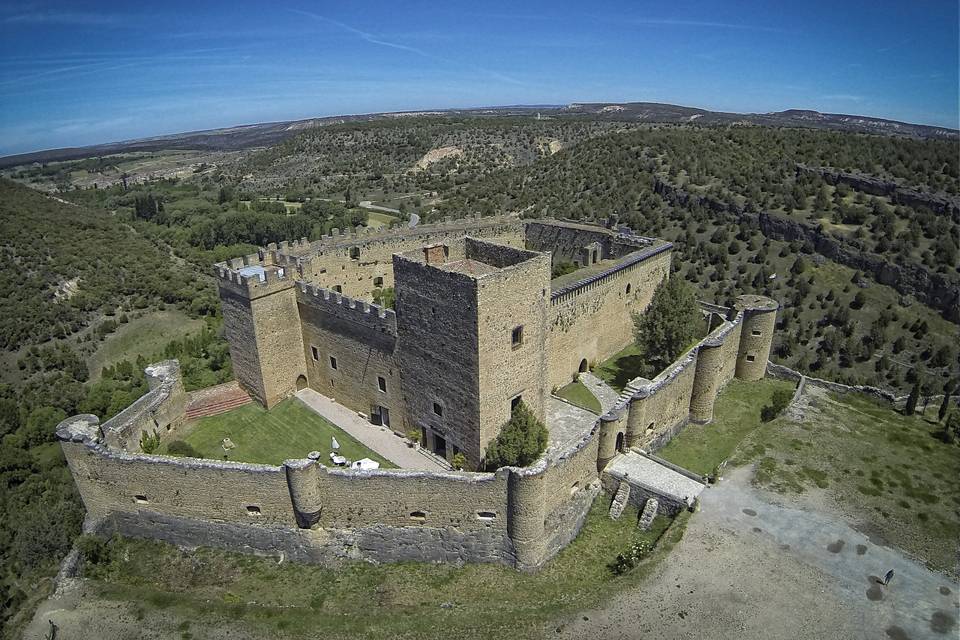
[[751, 358], [333, 363], [378, 282], [253, 510], [649, 429], [516, 338], [418, 516], [486, 515], [438, 409], [140, 499], [628, 288], [354, 253], [316, 354], [755, 332], [515, 402], [382, 383]]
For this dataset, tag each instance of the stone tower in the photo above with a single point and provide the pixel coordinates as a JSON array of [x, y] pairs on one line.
[[262, 324], [472, 330], [756, 335]]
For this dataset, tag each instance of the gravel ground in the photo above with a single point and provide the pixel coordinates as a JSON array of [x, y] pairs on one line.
[[753, 565]]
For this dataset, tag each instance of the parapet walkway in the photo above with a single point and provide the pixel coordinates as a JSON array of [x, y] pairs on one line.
[[604, 393], [380, 439]]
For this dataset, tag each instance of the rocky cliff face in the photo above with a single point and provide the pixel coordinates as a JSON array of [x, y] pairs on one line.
[[938, 203], [933, 289]]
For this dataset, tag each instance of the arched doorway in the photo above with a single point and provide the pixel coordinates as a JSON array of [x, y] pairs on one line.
[[584, 366], [301, 382], [620, 442]]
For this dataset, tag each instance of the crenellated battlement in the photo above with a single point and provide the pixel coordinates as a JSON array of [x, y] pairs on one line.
[[347, 308]]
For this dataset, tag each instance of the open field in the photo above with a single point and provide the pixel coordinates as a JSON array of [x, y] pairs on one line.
[[888, 471], [378, 219], [146, 336], [150, 589], [701, 448], [289, 430], [576, 393]]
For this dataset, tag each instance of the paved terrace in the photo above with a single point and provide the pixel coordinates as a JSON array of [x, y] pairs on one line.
[[566, 424], [380, 439], [654, 477]]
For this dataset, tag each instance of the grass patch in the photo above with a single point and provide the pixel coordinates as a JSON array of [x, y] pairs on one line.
[[411, 600], [884, 468], [621, 368], [289, 430], [146, 336], [379, 219], [701, 448], [576, 393]]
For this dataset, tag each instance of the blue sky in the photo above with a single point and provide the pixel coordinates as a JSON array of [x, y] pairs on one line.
[[77, 73]]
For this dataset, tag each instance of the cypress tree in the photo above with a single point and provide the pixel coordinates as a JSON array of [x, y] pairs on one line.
[[912, 399], [945, 405]]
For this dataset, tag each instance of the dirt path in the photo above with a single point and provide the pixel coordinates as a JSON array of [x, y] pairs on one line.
[[754, 566]]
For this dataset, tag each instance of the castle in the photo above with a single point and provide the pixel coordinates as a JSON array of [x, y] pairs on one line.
[[479, 324]]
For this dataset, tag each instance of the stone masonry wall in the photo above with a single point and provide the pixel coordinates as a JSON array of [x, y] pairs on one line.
[[592, 320]]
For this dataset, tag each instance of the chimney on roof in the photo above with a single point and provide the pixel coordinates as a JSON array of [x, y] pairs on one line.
[[435, 253]]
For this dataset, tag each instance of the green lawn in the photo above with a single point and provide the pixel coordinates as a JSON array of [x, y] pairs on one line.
[[700, 448], [890, 472], [576, 393], [146, 336], [621, 368], [204, 588], [378, 219], [289, 430]]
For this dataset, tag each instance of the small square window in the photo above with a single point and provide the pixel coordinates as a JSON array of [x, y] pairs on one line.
[[354, 252], [253, 510], [378, 281], [516, 337], [338, 288], [333, 363], [515, 402], [755, 332], [751, 358], [316, 354], [382, 383], [438, 409], [140, 499]]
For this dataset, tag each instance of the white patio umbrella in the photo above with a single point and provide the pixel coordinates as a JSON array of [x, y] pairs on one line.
[[334, 444]]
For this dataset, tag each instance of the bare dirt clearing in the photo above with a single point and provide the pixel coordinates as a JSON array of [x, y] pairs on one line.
[[754, 565]]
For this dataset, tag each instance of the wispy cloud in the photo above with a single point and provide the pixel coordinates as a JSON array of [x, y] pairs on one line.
[[378, 40], [63, 18]]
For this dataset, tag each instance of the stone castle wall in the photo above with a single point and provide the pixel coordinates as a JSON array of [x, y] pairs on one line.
[[591, 319], [315, 514]]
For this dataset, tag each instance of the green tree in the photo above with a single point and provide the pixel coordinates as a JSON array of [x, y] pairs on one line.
[[521, 441], [945, 405], [951, 430], [669, 324], [912, 399]]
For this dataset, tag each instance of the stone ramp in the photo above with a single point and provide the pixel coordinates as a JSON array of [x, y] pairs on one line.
[[604, 393], [648, 478], [215, 400]]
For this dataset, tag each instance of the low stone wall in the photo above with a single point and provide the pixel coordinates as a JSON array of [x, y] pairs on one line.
[[309, 513]]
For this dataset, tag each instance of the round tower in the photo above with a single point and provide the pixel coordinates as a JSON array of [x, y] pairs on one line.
[[303, 479], [612, 439], [706, 381], [525, 525], [756, 335]]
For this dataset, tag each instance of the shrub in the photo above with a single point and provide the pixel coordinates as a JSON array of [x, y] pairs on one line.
[[413, 435], [629, 559], [149, 443], [781, 398], [93, 549], [521, 441], [459, 462], [181, 448]]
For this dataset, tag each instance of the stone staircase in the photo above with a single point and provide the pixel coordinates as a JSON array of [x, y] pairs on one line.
[[215, 400]]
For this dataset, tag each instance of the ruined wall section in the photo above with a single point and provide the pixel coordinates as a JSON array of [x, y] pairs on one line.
[[362, 340], [514, 298], [437, 336], [591, 319], [159, 411]]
